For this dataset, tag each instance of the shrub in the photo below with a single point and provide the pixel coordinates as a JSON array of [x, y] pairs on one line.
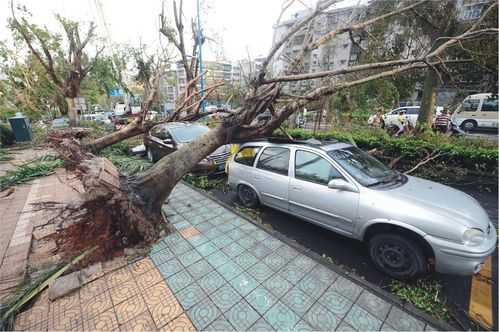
[[6, 135]]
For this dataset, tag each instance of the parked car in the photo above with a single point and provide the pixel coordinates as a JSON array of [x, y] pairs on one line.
[[479, 110], [411, 113], [411, 226], [59, 123], [166, 138]]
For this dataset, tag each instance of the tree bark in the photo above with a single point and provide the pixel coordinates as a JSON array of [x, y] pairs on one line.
[[72, 113], [131, 130], [155, 185], [429, 98]]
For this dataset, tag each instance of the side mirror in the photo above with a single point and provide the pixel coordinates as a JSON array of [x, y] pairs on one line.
[[168, 141], [343, 185]]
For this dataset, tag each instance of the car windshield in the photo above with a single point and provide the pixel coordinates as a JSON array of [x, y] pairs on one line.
[[367, 170], [188, 133]]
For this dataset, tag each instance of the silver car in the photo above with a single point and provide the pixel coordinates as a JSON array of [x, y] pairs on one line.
[[412, 226]]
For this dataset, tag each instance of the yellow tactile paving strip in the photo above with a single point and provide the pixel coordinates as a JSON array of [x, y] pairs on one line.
[[132, 298], [480, 309]]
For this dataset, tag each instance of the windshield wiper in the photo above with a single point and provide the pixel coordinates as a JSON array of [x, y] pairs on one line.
[[397, 177]]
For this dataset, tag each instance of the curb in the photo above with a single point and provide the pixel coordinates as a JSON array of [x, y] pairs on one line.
[[405, 306]]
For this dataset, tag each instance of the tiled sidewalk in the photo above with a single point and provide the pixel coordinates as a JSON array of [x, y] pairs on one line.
[[219, 272]]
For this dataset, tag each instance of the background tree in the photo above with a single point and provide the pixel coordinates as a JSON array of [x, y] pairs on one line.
[[66, 69]]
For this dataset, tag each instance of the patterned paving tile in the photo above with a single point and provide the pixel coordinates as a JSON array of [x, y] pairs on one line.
[[245, 260], [162, 304], [158, 246], [181, 247], [260, 251], [324, 274], [189, 258], [218, 258], [304, 262], [221, 241], [198, 240], [320, 318], [375, 305], [198, 219], [261, 325], [129, 309], [95, 305], [226, 227], [105, 321], [179, 281], [273, 243], [346, 288], [260, 271], [292, 273], [303, 326], [298, 301], [277, 285], [242, 316], [206, 249], [402, 321], [236, 234], [142, 322], [362, 320], [281, 317], [244, 283], [221, 324], [233, 249], [203, 313], [246, 242], [387, 327], [170, 268], [212, 233], [229, 270], [205, 226], [172, 239], [116, 278], [336, 303], [312, 286], [211, 282], [248, 227], [199, 269], [190, 295], [345, 327], [93, 289], [148, 279], [181, 324], [127, 290], [261, 299], [287, 252], [225, 297], [162, 256], [181, 225], [260, 235], [275, 261], [189, 232]]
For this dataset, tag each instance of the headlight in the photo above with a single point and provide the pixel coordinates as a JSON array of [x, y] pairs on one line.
[[473, 237]]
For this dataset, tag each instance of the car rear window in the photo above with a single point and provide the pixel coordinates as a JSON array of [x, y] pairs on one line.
[[247, 155], [490, 104], [274, 160]]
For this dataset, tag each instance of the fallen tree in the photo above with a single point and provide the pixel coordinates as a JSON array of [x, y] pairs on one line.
[[130, 208]]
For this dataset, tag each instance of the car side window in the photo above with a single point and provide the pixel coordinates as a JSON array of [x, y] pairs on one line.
[[490, 104], [313, 168], [274, 160], [471, 105], [413, 111], [247, 155]]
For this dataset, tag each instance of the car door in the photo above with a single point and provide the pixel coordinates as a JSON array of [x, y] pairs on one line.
[[271, 177], [311, 198], [469, 110], [488, 112]]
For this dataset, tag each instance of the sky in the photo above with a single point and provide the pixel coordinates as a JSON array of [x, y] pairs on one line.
[[243, 26]]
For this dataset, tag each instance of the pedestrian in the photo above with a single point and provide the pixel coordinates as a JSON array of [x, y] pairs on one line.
[[375, 120], [401, 122], [442, 122]]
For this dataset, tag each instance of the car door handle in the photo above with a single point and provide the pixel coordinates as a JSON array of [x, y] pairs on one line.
[[295, 188]]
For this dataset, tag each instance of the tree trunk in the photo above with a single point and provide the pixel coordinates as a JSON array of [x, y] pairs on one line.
[[425, 117], [131, 130], [155, 185], [72, 113]]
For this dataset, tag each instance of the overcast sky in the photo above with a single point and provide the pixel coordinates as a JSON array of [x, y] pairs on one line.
[[244, 26]]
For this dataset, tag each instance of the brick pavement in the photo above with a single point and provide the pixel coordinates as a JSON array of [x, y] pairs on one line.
[[219, 272]]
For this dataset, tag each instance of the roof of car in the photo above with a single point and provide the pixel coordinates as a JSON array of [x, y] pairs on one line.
[[171, 125], [326, 145]]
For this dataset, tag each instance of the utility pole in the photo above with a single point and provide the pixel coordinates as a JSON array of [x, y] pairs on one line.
[[200, 57]]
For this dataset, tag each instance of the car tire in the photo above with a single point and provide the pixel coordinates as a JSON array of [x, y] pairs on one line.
[[397, 256], [150, 155], [247, 196], [469, 125]]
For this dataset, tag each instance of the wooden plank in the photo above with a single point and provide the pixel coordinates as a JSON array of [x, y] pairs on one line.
[[480, 308]]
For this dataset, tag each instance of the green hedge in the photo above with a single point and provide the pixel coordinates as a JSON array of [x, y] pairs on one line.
[[471, 154]]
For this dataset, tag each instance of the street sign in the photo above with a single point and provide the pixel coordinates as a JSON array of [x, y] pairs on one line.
[[116, 93]]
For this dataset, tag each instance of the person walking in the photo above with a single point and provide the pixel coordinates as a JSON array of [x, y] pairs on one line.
[[442, 121]]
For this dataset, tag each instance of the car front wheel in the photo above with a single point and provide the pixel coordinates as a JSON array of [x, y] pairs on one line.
[[247, 196], [469, 125], [397, 256]]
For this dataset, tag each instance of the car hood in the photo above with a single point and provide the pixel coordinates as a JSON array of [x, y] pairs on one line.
[[449, 203]]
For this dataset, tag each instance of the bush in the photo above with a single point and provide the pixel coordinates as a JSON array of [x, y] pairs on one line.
[[6, 135]]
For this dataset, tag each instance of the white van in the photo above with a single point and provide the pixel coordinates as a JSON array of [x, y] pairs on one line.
[[120, 109], [480, 110]]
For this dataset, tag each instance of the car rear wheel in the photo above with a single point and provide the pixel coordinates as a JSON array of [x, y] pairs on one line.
[[247, 196], [469, 125], [397, 256]]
